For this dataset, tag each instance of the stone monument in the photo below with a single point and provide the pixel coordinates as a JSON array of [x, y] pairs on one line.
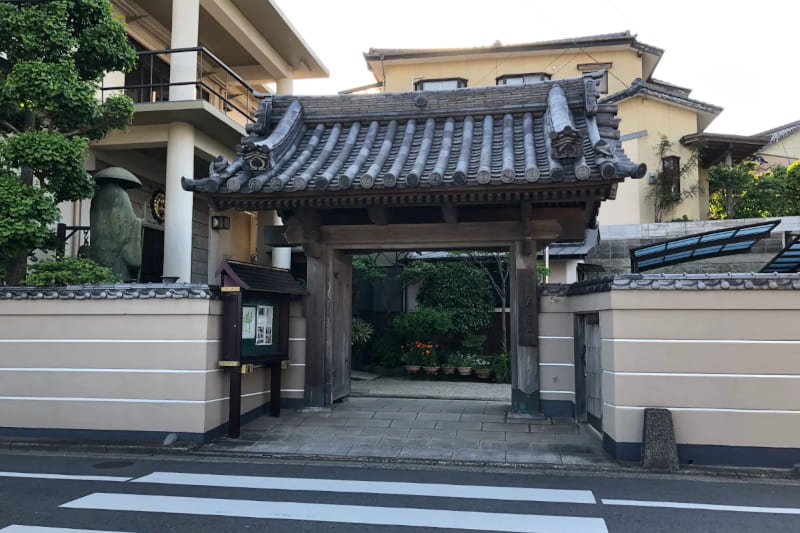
[[116, 231]]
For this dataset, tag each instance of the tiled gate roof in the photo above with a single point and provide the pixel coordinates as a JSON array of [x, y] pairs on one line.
[[546, 133]]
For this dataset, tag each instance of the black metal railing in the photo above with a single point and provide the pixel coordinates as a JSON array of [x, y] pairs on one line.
[[214, 82]]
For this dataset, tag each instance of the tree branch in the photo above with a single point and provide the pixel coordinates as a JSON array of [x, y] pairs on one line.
[[9, 126]]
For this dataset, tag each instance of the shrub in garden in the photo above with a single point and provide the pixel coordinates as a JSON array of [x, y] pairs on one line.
[[68, 271]]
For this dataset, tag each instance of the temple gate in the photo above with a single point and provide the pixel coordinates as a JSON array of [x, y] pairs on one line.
[[509, 167]]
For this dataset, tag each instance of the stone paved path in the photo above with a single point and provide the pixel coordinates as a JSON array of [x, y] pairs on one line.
[[413, 388], [460, 430]]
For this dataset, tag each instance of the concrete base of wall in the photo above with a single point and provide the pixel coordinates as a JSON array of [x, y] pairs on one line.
[[117, 436], [522, 402], [557, 408], [712, 455]]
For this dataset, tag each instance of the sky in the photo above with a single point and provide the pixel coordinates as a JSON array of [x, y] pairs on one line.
[[742, 56]]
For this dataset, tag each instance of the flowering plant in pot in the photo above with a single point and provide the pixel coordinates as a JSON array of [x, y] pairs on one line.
[[417, 354], [482, 368], [449, 366], [464, 364]]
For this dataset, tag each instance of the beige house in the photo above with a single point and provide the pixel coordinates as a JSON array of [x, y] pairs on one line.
[[783, 147], [201, 63], [649, 109]]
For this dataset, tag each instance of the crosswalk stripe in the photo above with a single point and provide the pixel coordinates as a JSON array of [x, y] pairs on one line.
[[372, 487], [37, 475], [703, 506], [17, 528], [353, 514]]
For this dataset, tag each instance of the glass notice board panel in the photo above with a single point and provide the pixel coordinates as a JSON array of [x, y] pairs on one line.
[[259, 327]]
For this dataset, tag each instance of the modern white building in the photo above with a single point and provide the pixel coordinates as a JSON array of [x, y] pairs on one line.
[[201, 63]]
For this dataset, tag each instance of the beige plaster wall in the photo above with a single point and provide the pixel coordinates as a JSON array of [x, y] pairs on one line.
[[633, 204], [125, 365], [723, 361], [482, 70], [785, 151]]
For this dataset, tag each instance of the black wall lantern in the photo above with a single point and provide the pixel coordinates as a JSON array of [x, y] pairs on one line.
[[220, 222]]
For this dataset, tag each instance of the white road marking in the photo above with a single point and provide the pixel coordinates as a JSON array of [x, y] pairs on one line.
[[372, 487], [16, 528], [704, 506], [352, 514], [37, 475]]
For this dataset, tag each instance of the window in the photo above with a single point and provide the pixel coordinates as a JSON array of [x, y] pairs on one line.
[[522, 79], [671, 170], [442, 84]]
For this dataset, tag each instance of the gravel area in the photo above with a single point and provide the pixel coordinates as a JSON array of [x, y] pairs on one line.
[[388, 387]]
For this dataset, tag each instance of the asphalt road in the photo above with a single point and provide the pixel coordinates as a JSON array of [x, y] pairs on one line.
[[136, 494]]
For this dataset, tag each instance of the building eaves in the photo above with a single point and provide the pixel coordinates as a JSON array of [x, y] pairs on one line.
[[639, 87], [685, 91], [608, 39], [781, 132], [507, 138]]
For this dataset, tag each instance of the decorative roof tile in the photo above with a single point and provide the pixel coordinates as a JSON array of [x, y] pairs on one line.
[[119, 291], [504, 136], [680, 282]]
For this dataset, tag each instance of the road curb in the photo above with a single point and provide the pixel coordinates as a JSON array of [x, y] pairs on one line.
[[190, 450]]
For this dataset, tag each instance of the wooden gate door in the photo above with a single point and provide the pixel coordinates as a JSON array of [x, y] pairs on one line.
[[593, 372], [341, 302]]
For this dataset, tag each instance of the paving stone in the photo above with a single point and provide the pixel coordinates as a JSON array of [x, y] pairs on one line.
[[413, 424], [388, 432], [372, 451], [553, 428], [506, 446], [531, 437], [453, 417], [395, 415], [317, 430], [275, 447], [509, 428], [324, 422], [448, 424], [367, 422], [427, 453], [288, 421], [323, 448], [586, 460], [454, 443], [403, 442], [481, 435], [532, 457], [435, 433], [495, 456], [352, 413], [467, 417], [363, 440]]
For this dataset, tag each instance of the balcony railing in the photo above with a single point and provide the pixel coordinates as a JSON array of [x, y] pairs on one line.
[[214, 82]]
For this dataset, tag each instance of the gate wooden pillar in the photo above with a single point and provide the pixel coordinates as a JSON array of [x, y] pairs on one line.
[[524, 328], [328, 325]]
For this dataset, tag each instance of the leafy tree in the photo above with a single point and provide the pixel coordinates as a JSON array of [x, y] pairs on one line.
[[460, 289], [56, 53], [667, 193], [728, 185], [69, 270], [741, 192]]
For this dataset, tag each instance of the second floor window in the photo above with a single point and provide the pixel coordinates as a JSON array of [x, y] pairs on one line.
[[522, 79], [442, 84]]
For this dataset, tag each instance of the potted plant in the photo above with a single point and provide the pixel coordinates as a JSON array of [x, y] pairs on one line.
[[481, 367], [464, 365], [449, 367], [430, 362], [416, 354]]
